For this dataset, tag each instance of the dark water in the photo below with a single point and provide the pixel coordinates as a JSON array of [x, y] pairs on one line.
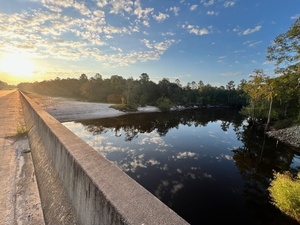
[[206, 165]]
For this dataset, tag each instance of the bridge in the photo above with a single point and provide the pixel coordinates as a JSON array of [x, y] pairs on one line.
[[50, 176]]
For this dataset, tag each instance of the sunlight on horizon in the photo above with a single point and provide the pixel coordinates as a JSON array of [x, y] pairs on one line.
[[18, 66]]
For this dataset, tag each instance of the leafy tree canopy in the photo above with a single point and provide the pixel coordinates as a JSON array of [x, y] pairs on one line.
[[285, 50]]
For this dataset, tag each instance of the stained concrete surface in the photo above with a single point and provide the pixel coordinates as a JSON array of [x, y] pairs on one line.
[[19, 195]]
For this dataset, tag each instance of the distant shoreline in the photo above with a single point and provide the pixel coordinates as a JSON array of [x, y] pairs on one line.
[[65, 110]]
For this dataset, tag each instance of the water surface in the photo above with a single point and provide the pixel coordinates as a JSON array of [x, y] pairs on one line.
[[205, 164]]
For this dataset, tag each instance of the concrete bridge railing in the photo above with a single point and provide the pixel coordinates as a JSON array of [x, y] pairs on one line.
[[79, 186]]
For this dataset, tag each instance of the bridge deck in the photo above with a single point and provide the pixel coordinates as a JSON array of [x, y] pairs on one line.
[[19, 196]]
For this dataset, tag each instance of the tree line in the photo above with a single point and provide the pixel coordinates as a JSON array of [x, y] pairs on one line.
[[140, 92], [262, 99], [5, 86]]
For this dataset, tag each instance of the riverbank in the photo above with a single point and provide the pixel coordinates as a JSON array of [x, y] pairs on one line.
[[289, 135], [65, 109]]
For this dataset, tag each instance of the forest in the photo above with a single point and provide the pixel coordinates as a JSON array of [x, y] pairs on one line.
[[141, 91]]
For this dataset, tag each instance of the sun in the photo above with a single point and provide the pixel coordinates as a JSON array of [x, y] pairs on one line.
[[17, 65]]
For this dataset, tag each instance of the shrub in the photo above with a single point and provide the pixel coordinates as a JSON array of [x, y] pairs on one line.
[[114, 98], [284, 191], [124, 107], [164, 104]]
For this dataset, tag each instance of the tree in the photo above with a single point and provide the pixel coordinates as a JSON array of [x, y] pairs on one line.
[[269, 93], [285, 50], [98, 76], [83, 77], [254, 90], [177, 81], [144, 77], [230, 85]]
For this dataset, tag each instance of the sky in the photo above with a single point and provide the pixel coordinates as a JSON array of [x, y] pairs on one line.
[[215, 41]]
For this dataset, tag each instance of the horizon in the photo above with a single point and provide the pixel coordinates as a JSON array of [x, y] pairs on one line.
[[215, 41]]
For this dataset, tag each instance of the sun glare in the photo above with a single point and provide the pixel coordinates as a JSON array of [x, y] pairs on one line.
[[17, 65]]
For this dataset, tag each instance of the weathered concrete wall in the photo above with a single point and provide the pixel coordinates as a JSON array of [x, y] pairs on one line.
[[94, 188]]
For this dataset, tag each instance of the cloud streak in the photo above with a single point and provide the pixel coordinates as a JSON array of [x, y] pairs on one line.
[[251, 30]]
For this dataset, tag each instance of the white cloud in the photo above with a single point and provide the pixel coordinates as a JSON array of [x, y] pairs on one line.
[[168, 33], [54, 8], [207, 2], [229, 4], [160, 17], [152, 162], [147, 43], [115, 30], [175, 10], [193, 7], [146, 23], [118, 6], [28, 31], [185, 155], [176, 187], [212, 13], [295, 17], [163, 46], [195, 30], [141, 13], [81, 8], [253, 44], [102, 3], [250, 31], [59, 3], [99, 13]]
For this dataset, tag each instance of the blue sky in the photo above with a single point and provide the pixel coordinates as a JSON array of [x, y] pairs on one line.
[[210, 40]]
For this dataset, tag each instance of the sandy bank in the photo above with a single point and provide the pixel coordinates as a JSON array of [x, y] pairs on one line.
[[64, 109]]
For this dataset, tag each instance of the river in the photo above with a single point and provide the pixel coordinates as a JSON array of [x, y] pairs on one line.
[[205, 164]]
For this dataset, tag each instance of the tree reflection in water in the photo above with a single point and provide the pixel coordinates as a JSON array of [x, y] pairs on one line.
[[206, 164]]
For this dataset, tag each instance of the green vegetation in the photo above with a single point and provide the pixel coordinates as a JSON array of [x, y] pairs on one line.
[[273, 99], [284, 191], [4, 85], [164, 104], [123, 108], [21, 130], [140, 92], [277, 99], [284, 93]]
